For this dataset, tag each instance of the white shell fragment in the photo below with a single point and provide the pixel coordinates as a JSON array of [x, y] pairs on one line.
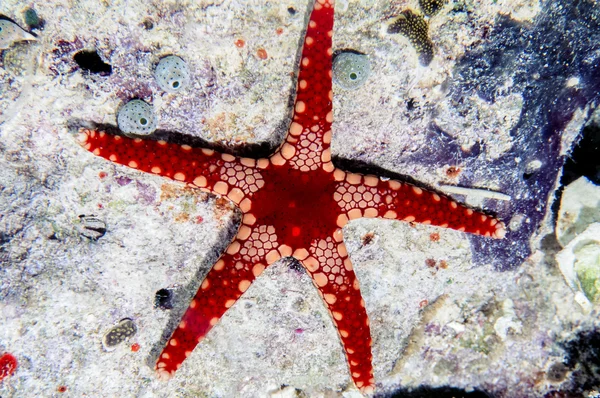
[[10, 33], [579, 262], [579, 207]]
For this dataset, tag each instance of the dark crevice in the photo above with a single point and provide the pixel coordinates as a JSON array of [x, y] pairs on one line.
[[91, 62]]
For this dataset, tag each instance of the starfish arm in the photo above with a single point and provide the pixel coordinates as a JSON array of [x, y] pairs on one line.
[[253, 249], [369, 196], [308, 140], [220, 173], [328, 264]]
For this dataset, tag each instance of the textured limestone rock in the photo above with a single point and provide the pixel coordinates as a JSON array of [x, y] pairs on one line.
[[508, 89]]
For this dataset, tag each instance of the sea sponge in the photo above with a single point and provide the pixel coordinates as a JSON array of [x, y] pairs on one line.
[[415, 28], [172, 74], [137, 117], [351, 70]]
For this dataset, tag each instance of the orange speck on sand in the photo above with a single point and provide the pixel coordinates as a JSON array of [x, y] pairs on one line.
[[102, 174], [240, 43], [423, 303], [279, 31], [261, 53], [434, 236], [8, 365], [135, 347], [62, 389], [199, 219]]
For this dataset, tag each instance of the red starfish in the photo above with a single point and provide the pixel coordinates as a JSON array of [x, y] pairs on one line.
[[294, 203]]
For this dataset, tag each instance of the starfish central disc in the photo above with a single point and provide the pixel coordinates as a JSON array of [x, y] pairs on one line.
[[299, 205]]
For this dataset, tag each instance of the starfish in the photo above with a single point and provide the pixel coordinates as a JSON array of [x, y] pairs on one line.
[[294, 203]]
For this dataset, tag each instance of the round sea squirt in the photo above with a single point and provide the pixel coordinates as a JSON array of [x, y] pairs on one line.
[[137, 117], [172, 74], [351, 70]]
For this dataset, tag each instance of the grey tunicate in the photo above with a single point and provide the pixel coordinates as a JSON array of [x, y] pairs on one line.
[[172, 74], [137, 117], [351, 70]]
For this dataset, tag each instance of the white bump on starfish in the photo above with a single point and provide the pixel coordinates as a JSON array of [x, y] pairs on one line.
[[236, 195], [173, 342], [244, 285], [354, 214], [320, 279], [243, 232], [272, 256], [500, 231], [288, 151], [395, 185], [339, 175], [277, 159], [245, 205], [221, 188], [300, 107], [371, 213], [200, 181], [353, 179], [219, 265], [311, 264], [285, 250], [390, 214], [342, 220], [257, 269], [300, 254], [233, 247], [229, 303], [248, 219], [179, 176], [82, 137], [330, 298], [371, 181]]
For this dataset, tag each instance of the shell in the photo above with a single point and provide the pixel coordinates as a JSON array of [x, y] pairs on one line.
[[11, 33]]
